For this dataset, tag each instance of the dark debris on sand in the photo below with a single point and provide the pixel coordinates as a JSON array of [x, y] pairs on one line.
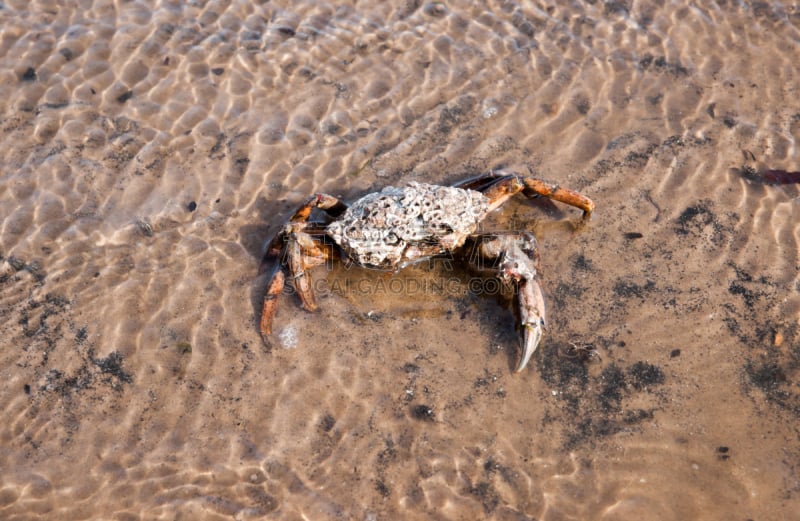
[[592, 405], [51, 342], [754, 316]]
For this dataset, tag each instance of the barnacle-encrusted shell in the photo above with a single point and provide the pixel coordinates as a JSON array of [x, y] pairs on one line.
[[386, 228]]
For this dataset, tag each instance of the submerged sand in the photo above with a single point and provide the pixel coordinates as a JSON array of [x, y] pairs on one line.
[[147, 151]]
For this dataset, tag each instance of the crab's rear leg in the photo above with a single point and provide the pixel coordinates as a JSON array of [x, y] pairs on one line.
[[515, 259], [501, 185], [297, 247], [332, 206], [482, 182], [535, 186]]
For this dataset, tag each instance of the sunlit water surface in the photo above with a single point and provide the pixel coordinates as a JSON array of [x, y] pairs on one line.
[[147, 151]]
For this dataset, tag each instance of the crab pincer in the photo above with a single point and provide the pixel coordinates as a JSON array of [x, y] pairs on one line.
[[516, 258], [532, 321]]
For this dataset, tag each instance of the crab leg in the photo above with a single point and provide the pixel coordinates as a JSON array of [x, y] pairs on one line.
[[296, 248], [272, 263], [306, 252], [565, 195], [501, 185], [516, 260], [270, 305], [482, 182], [329, 203], [300, 277], [301, 254]]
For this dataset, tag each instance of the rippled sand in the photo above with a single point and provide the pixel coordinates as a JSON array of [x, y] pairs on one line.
[[148, 151]]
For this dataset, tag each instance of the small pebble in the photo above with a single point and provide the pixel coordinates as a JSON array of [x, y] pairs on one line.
[[29, 74]]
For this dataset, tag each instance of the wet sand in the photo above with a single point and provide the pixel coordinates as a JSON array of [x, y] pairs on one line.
[[147, 152]]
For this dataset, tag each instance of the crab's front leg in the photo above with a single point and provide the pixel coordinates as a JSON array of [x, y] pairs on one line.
[[500, 185], [516, 259]]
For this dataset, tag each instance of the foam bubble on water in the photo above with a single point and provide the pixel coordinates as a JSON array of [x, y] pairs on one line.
[[288, 337]]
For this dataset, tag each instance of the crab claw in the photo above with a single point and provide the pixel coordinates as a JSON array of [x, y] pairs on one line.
[[531, 314], [516, 260]]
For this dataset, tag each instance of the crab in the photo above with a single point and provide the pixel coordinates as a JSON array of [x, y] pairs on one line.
[[397, 227]]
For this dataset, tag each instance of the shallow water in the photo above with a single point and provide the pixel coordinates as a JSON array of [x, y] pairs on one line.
[[148, 151]]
